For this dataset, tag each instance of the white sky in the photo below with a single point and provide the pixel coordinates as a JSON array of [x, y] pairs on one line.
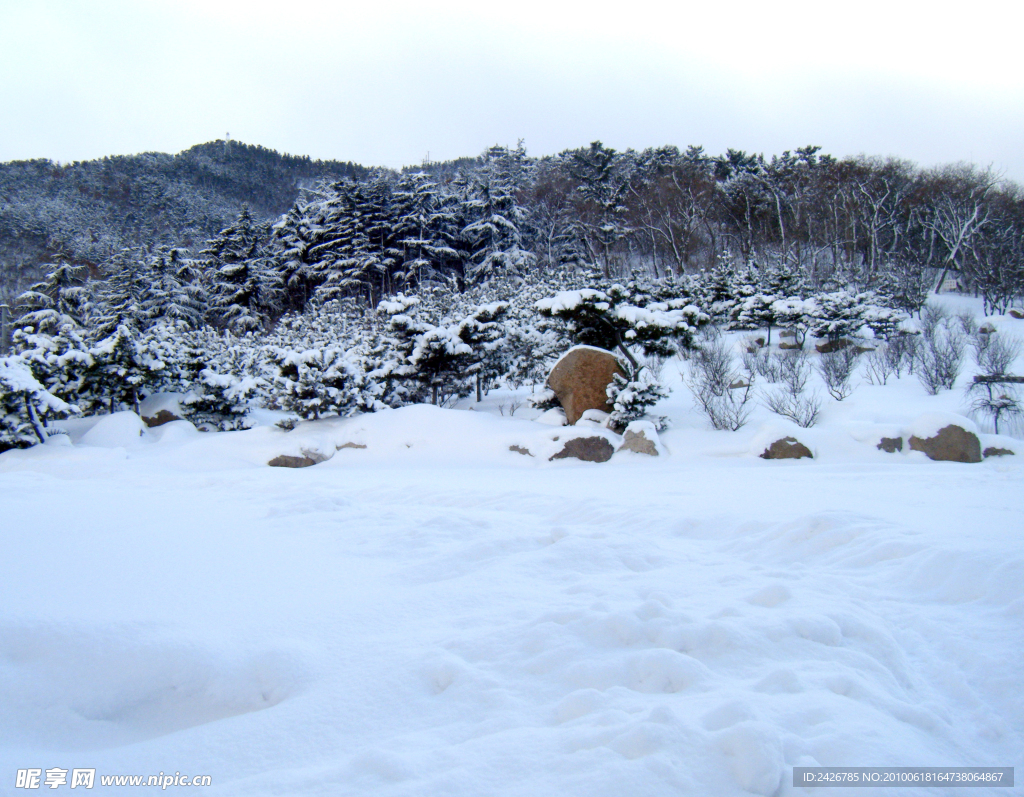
[[384, 83]]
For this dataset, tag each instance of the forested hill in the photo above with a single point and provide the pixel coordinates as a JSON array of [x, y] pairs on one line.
[[88, 210]]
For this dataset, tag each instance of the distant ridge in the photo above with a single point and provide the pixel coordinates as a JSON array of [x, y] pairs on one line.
[[86, 210]]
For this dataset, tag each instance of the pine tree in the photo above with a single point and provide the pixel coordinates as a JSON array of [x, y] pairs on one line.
[[58, 300], [26, 407], [123, 296], [245, 288], [175, 293], [495, 234]]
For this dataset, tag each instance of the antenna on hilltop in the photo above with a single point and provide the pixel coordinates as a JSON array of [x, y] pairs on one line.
[[227, 142]]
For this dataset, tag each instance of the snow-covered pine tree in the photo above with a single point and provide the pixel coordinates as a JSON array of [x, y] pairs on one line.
[[245, 288], [317, 382], [128, 365], [226, 376], [175, 293], [60, 299], [59, 361], [123, 295], [26, 407], [497, 219], [838, 314], [622, 319]]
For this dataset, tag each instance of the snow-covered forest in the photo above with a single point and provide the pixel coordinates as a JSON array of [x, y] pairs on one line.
[[381, 289]]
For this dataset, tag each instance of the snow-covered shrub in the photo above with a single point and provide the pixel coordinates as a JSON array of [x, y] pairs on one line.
[[26, 407], [941, 355], [836, 369], [763, 362], [711, 380], [997, 399], [631, 399], [879, 365], [995, 352], [313, 383], [789, 400]]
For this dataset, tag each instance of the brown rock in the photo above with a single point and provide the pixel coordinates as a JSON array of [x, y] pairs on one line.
[[309, 457], [739, 383], [520, 450], [589, 449], [986, 329], [784, 346], [890, 445], [950, 444], [580, 381], [1015, 313], [284, 461], [162, 417], [830, 346], [350, 445], [787, 448], [992, 451]]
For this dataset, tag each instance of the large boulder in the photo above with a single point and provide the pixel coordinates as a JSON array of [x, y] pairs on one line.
[[589, 449], [951, 443], [787, 448], [580, 380]]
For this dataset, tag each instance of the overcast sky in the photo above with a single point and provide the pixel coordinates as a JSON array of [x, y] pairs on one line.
[[386, 83]]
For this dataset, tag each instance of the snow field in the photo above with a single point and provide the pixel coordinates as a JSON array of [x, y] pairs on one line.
[[432, 615]]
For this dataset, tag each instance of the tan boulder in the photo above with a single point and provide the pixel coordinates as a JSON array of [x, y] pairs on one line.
[[950, 444], [640, 438], [308, 459], [787, 448], [580, 380]]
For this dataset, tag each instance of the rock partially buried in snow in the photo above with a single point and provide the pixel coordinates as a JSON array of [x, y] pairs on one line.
[[787, 448], [992, 451], [285, 461], [580, 380], [308, 459], [890, 445], [588, 449], [830, 346], [160, 418], [951, 443], [1015, 313], [595, 418], [641, 438], [520, 450]]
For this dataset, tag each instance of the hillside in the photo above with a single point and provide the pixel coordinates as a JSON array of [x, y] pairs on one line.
[[90, 209]]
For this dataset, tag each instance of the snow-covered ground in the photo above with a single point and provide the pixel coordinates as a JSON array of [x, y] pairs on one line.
[[437, 615]]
